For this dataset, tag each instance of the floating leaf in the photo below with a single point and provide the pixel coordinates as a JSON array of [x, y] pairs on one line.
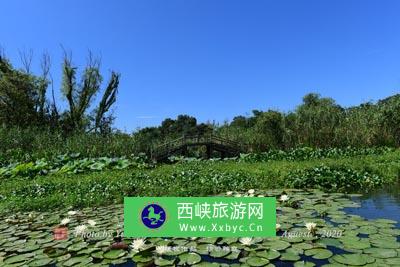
[[257, 261], [353, 259], [189, 258]]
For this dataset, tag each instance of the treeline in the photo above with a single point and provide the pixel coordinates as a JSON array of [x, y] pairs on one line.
[[32, 125], [319, 122]]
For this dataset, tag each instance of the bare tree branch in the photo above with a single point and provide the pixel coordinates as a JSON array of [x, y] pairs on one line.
[[26, 59]]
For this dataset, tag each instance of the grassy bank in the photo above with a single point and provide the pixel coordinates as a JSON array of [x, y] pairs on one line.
[[190, 179]]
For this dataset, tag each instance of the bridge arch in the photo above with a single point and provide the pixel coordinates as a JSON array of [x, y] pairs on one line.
[[180, 146]]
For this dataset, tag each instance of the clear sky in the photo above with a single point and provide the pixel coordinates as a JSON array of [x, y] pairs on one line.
[[216, 59]]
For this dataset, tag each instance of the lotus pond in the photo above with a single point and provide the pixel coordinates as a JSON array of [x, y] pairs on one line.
[[314, 229]]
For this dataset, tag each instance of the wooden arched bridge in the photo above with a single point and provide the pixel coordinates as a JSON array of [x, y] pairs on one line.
[[225, 147]]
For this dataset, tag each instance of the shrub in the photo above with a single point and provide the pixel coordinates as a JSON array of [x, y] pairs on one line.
[[342, 178]]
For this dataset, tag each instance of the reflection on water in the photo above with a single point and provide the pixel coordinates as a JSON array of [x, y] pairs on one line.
[[382, 203]]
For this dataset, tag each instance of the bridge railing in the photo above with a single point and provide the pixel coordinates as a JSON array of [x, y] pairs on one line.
[[193, 140]]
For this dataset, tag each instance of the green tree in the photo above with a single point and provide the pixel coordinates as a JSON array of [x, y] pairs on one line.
[[317, 120], [80, 96], [21, 96], [269, 127]]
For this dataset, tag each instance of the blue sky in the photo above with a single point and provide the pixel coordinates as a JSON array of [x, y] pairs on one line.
[[216, 59]]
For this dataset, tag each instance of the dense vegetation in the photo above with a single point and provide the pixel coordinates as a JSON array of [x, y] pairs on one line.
[[196, 178], [317, 145]]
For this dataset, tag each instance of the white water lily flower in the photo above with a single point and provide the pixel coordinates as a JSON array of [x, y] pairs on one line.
[[238, 195], [261, 196], [247, 241], [72, 212], [251, 191], [229, 193], [284, 198], [91, 222], [277, 227], [311, 226], [160, 250], [138, 244], [65, 221], [80, 229]]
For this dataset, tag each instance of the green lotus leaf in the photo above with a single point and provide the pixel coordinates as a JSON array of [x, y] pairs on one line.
[[382, 243], [228, 241], [88, 250], [17, 258], [114, 254], [319, 253], [203, 249], [63, 257], [302, 246], [393, 261], [210, 240], [175, 251], [257, 261], [334, 265], [234, 255], [97, 255], [367, 230], [353, 259], [277, 245], [385, 221], [330, 242], [304, 264], [165, 243], [77, 246], [296, 239], [180, 242], [142, 258], [389, 231], [83, 260], [289, 256], [163, 262], [207, 264], [219, 252], [28, 248], [382, 253], [355, 244], [269, 254], [42, 262], [189, 258]]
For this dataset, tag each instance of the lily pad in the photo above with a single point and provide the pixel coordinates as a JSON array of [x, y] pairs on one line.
[[114, 254], [83, 260], [353, 259], [189, 258], [289, 256], [382, 253], [257, 261], [42, 262], [269, 254], [304, 264], [319, 253], [163, 262]]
